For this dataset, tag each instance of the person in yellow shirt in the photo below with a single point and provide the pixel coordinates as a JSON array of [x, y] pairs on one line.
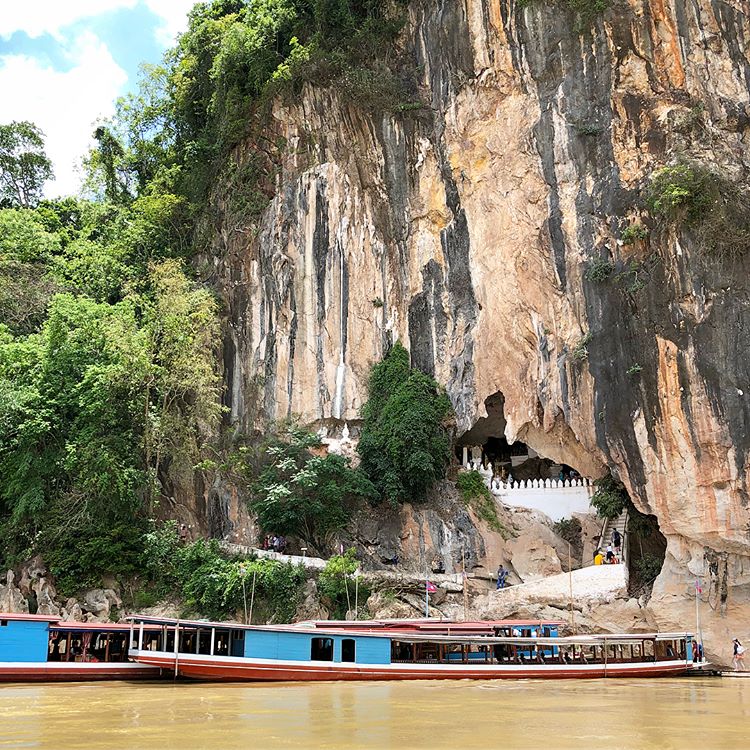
[[598, 558]]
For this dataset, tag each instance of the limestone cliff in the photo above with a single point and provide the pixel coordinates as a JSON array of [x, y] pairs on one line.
[[465, 230]]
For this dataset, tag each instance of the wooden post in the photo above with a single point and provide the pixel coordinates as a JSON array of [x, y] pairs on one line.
[[106, 648], [213, 641], [252, 597], [570, 581], [176, 648], [140, 637]]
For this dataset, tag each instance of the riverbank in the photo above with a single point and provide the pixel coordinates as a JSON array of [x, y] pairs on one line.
[[681, 713]]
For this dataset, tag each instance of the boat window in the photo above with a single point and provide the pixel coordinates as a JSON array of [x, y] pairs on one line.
[[321, 649], [348, 650], [221, 646], [238, 643], [204, 642]]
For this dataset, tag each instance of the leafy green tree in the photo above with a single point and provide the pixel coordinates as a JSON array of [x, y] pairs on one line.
[[336, 584], [302, 494], [24, 167], [404, 443], [610, 498], [94, 407]]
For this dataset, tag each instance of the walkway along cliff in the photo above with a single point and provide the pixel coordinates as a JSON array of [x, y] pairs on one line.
[[502, 231]]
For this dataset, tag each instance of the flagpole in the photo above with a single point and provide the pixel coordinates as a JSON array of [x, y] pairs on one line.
[[426, 598], [463, 574]]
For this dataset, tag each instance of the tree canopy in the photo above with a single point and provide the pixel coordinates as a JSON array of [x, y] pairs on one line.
[[24, 167], [298, 492]]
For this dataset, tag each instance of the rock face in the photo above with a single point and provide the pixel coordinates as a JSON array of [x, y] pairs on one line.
[[465, 230], [11, 598]]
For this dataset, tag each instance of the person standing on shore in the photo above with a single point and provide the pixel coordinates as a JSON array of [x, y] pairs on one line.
[[738, 659]]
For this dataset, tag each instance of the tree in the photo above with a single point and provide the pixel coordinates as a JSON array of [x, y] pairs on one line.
[[306, 495], [404, 444], [181, 392], [24, 167], [26, 285]]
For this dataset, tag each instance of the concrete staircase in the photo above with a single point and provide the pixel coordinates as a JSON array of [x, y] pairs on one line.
[[610, 524]]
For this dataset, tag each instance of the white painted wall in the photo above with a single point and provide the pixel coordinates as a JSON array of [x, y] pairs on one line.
[[556, 502]]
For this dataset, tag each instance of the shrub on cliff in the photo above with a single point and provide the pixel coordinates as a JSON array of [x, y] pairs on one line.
[[706, 202], [475, 493], [404, 443], [610, 498]]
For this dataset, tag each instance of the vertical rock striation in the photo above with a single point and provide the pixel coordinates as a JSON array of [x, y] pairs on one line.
[[465, 230]]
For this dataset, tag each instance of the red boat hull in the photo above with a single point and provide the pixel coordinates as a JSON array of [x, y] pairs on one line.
[[257, 670], [76, 671]]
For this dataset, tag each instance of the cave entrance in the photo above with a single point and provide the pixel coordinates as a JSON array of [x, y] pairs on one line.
[[485, 447]]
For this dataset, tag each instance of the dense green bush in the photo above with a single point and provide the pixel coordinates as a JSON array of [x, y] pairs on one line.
[[648, 567], [210, 583], [80, 555], [679, 188], [634, 233], [404, 443], [599, 270]]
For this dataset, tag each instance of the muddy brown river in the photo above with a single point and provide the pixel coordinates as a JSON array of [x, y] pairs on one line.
[[705, 713]]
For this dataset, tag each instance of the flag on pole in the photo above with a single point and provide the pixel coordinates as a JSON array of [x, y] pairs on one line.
[[698, 586], [431, 587]]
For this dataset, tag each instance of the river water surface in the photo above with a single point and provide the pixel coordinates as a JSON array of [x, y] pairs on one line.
[[705, 713]]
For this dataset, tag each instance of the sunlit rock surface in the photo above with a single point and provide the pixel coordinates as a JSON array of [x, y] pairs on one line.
[[464, 230]]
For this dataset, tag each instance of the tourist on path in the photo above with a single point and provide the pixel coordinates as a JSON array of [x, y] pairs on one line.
[[616, 541], [598, 557], [739, 655], [502, 574], [610, 555]]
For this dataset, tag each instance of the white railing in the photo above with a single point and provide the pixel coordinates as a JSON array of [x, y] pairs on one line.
[[497, 485], [556, 498]]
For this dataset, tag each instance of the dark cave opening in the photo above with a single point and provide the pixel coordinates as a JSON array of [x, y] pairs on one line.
[[485, 445]]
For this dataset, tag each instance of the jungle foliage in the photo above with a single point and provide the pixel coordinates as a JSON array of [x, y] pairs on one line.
[[109, 390], [212, 584]]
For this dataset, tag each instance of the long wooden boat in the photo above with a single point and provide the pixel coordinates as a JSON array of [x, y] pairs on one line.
[[37, 648], [406, 651]]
